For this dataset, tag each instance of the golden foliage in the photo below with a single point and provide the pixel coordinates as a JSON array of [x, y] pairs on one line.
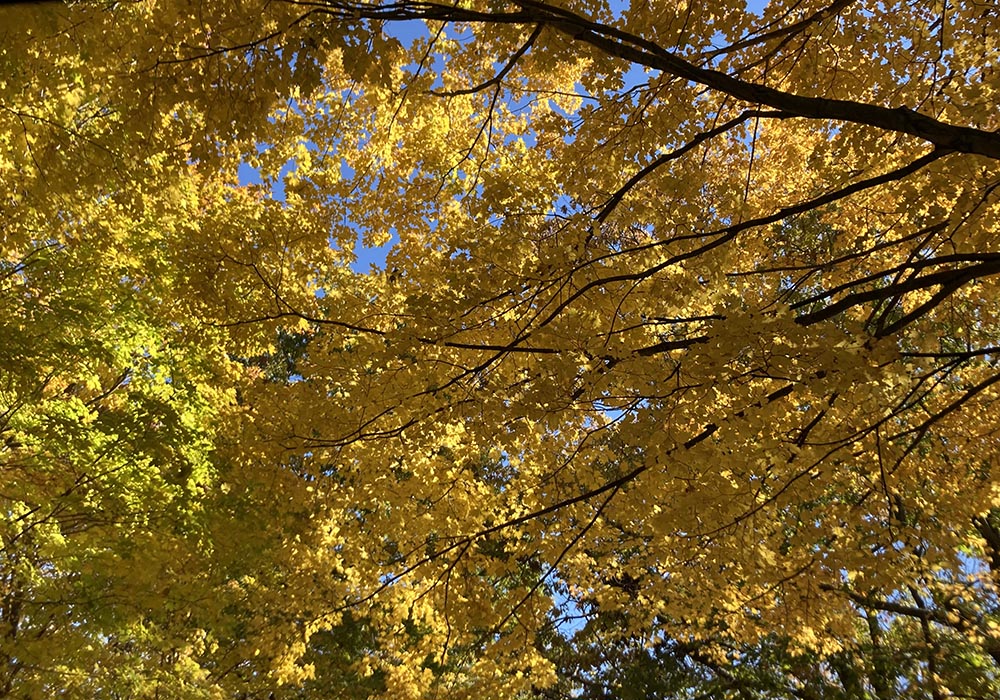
[[691, 297]]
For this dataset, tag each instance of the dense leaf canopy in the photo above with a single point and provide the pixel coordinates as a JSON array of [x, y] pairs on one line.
[[679, 377]]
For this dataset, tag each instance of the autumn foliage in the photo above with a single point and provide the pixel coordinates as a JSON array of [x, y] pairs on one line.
[[680, 374]]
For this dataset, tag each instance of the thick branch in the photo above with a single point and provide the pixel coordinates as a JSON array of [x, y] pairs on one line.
[[903, 120], [635, 49], [948, 279]]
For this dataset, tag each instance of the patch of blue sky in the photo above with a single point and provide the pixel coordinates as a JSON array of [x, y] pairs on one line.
[[248, 175], [406, 32], [369, 258]]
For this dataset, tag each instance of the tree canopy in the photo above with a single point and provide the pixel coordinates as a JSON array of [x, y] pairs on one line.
[[679, 378]]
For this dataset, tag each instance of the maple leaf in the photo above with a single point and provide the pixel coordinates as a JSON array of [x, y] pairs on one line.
[[688, 322]]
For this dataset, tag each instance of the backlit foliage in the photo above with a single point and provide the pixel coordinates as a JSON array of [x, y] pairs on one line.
[[688, 325]]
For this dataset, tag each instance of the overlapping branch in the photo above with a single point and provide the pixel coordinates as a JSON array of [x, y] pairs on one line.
[[644, 52]]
